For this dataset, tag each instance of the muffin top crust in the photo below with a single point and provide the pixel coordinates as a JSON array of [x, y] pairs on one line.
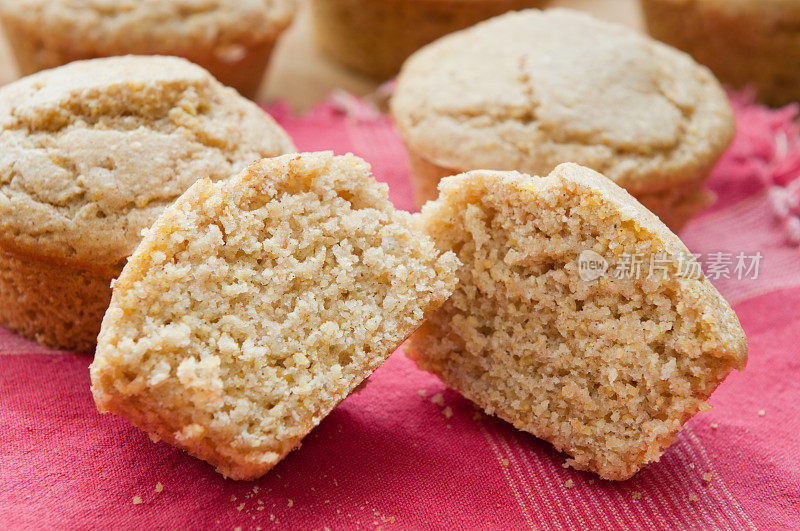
[[149, 25], [529, 90], [92, 152]]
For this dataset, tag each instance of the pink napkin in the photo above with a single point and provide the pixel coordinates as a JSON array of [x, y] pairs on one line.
[[408, 453]]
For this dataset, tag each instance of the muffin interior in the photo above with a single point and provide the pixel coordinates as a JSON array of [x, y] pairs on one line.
[[610, 364], [263, 306]]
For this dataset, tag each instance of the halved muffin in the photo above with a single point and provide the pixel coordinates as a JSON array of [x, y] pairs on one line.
[[579, 317], [253, 306]]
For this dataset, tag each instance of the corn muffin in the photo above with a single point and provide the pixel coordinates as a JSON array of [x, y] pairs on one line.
[[90, 154], [579, 317], [526, 91], [232, 39], [375, 37], [254, 306], [744, 42]]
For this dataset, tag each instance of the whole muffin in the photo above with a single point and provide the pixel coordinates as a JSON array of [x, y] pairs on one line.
[[375, 37], [232, 39], [742, 41], [526, 91], [90, 154]]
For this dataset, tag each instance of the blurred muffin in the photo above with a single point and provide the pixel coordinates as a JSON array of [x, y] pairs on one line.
[[529, 90], [90, 154], [742, 41], [375, 37], [232, 39]]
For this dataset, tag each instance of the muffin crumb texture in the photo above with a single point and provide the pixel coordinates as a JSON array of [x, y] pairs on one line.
[[255, 305], [607, 370]]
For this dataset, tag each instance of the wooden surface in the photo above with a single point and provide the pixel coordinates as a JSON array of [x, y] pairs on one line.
[[300, 75]]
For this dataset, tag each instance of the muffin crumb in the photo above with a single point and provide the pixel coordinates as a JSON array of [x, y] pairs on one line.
[[607, 368], [256, 304]]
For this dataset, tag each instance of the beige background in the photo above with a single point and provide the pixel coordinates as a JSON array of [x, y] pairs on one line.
[[300, 75]]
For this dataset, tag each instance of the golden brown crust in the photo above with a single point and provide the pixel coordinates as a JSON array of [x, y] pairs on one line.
[[56, 304], [526, 91], [94, 150], [375, 37], [243, 69], [676, 207]]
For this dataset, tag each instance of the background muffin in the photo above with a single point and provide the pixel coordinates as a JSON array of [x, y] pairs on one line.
[[233, 39], [526, 91], [375, 37], [742, 41], [90, 154]]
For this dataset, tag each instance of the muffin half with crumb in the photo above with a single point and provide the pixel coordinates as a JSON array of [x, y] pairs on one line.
[[253, 306], [579, 316]]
